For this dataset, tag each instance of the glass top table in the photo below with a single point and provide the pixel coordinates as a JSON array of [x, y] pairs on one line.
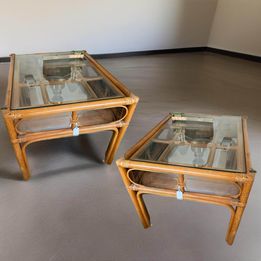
[[194, 157], [57, 78], [194, 140], [63, 94]]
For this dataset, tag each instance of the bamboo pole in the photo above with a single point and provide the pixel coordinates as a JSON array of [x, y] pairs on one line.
[[171, 169], [81, 106], [17, 148], [53, 134], [111, 150], [74, 120], [133, 197], [239, 212]]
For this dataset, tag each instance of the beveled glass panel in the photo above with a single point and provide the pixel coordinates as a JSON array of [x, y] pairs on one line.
[[203, 141], [57, 78]]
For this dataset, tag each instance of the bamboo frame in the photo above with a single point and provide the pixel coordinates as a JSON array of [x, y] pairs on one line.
[[21, 140], [235, 204]]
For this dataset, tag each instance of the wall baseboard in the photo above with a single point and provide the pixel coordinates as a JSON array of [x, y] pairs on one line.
[[150, 52], [4, 59], [244, 56], [166, 51]]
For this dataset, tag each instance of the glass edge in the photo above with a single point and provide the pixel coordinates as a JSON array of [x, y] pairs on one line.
[[77, 102], [187, 166]]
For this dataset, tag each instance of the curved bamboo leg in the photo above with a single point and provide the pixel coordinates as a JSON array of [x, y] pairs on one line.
[[110, 150], [232, 216], [116, 143], [22, 160], [133, 196], [234, 225], [143, 208], [17, 147], [24, 146], [113, 147], [239, 212]]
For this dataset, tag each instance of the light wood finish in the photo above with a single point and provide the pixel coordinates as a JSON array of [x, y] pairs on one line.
[[235, 203], [118, 125]]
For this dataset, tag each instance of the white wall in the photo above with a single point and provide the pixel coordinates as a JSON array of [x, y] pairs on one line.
[[237, 26], [103, 26]]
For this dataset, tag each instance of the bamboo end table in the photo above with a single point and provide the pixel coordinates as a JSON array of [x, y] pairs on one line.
[[194, 157], [57, 95]]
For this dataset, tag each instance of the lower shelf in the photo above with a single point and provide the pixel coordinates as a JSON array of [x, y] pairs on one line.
[[63, 120], [192, 184]]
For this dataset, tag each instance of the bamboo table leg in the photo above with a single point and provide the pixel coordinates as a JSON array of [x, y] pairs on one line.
[[133, 196], [143, 207], [239, 212], [110, 152], [235, 224], [116, 139], [114, 144], [17, 147]]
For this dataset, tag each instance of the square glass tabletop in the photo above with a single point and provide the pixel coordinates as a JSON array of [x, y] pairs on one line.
[[57, 78], [201, 141]]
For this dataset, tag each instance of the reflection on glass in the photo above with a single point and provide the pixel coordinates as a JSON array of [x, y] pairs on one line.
[[166, 134], [31, 92], [203, 141], [102, 88], [53, 72], [225, 159], [57, 93], [198, 132], [198, 156], [185, 154], [65, 92], [54, 78], [153, 151], [29, 79], [31, 95], [76, 74]]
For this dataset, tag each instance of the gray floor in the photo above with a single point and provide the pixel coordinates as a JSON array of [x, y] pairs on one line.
[[76, 208]]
